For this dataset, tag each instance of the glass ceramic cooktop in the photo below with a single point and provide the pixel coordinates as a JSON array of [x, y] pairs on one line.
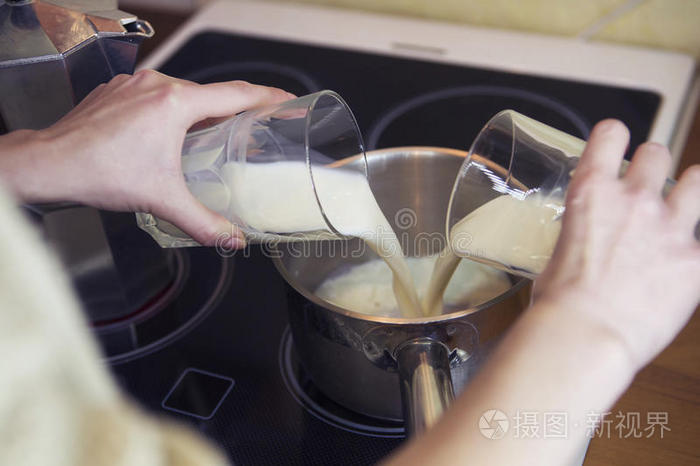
[[218, 355]]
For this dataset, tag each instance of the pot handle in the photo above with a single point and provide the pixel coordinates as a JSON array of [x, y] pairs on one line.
[[426, 382]]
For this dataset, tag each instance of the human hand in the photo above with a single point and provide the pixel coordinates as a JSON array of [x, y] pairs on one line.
[[626, 257], [120, 149]]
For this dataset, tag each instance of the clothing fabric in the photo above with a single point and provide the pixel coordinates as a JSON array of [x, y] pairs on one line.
[[58, 403]]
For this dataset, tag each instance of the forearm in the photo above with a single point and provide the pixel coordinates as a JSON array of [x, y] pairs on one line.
[[554, 360], [29, 168]]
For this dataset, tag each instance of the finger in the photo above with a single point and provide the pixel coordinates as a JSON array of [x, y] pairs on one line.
[[605, 149], [107, 87], [684, 199], [147, 79], [229, 98], [204, 225], [95, 93], [103, 88], [120, 79], [115, 83], [650, 164]]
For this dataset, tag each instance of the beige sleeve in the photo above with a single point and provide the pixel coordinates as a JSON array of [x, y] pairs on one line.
[[58, 403]]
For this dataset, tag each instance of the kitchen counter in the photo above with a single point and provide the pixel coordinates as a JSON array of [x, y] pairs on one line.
[[670, 384]]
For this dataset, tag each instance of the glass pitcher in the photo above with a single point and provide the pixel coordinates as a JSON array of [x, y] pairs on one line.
[[508, 199], [261, 169]]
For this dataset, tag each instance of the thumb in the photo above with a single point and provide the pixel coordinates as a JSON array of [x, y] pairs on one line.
[[205, 226]]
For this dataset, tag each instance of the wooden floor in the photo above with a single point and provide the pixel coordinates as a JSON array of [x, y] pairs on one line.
[[670, 384]]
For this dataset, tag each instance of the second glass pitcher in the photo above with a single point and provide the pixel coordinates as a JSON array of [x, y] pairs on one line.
[[508, 199]]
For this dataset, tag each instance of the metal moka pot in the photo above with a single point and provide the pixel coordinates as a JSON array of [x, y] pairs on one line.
[[52, 54]]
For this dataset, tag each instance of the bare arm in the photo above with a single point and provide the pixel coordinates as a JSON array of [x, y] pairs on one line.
[[119, 149], [624, 279]]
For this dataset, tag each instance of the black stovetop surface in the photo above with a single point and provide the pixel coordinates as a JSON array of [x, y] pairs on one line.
[[237, 352], [231, 371]]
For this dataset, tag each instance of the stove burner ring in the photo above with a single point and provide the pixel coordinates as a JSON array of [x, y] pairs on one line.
[[127, 328], [254, 66], [159, 301], [466, 91], [367, 426]]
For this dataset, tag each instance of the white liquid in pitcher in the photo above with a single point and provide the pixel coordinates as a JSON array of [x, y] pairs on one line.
[[279, 198], [510, 233], [366, 288]]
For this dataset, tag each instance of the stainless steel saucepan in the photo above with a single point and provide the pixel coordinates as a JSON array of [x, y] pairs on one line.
[[393, 368]]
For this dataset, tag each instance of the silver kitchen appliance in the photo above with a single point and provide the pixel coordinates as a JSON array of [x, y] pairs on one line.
[[52, 54]]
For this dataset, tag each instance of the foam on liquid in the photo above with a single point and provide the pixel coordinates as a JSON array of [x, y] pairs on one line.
[[366, 288]]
